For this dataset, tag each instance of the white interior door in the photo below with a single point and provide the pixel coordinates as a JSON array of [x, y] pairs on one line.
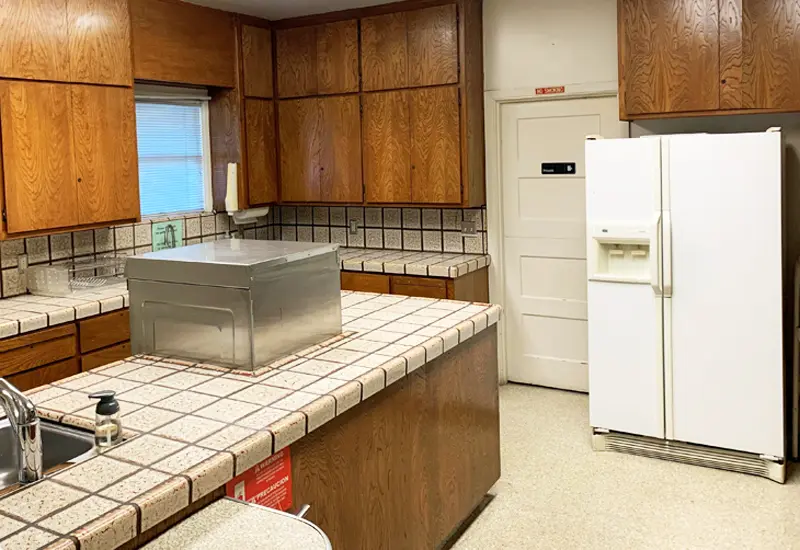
[[725, 375], [544, 236]]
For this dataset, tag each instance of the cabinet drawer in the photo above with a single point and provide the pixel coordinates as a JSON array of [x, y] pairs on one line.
[[105, 330], [365, 282], [419, 287], [105, 356], [45, 375], [31, 355]]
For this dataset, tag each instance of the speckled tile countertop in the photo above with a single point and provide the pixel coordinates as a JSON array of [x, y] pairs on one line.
[[191, 428], [27, 313], [400, 262]]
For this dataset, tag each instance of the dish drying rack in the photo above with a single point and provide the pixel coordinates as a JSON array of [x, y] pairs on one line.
[[65, 279]]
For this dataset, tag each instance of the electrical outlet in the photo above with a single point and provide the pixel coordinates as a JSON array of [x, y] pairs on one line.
[[468, 228], [354, 227], [22, 262]]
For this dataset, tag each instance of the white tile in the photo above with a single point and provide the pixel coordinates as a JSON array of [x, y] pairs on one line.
[[433, 348], [372, 382], [415, 358], [349, 373], [450, 338]]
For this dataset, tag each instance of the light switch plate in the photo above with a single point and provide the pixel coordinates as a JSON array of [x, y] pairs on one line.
[[468, 228]]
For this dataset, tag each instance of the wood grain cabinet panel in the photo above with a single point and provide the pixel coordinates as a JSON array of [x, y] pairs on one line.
[[387, 147], [384, 52], [337, 58], [99, 41], [47, 374], [730, 54], [770, 54], [419, 287], [182, 43], [435, 146], [104, 330], [105, 356], [34, 40], [365, 282], [669, 56], [39, 175], [296, 53], [257, 61], [262, 176], [106, 161], [299, 123], [340, 167], [433, 46]]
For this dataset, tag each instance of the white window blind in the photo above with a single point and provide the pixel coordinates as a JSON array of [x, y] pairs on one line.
[[172, 139]]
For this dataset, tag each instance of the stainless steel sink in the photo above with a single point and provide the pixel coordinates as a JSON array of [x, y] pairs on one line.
[[60, 445]]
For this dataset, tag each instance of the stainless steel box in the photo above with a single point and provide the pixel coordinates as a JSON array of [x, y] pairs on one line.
[[242, 303]]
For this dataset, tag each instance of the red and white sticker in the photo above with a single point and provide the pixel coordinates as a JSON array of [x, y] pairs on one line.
[[550, 90], [268, 483]]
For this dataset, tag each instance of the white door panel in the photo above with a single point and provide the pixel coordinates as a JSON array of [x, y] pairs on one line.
[[726, 336], [544, 237], [626, 381]]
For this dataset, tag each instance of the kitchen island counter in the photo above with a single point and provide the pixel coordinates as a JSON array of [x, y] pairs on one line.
[[407, 376]]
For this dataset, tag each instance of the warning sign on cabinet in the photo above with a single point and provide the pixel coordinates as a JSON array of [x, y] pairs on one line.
[[550, 90], [268, 483]]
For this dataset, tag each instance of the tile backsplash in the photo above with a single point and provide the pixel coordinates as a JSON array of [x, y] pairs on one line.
[[426, 229]]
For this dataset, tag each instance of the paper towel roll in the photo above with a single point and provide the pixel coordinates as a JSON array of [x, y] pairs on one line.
[[232, 191]]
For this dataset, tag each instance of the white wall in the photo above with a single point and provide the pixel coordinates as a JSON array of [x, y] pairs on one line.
[[530, 43]]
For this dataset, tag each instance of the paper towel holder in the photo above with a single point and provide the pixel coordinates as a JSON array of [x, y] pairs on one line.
[[242, 217]]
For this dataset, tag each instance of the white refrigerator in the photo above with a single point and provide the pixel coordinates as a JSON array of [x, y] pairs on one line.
[[684, 255]]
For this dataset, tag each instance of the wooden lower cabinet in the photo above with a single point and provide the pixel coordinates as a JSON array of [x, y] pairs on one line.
[[104, 330], [405, 468], [472, 287], [105, 356], [34, 378]]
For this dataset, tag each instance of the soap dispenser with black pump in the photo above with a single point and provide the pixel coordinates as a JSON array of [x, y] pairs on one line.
[[108, 427]]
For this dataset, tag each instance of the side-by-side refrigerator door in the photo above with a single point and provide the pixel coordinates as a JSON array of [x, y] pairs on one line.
[[625, 304], [723, 322]]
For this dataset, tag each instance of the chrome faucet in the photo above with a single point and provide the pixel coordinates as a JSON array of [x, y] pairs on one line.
[[21, 413]]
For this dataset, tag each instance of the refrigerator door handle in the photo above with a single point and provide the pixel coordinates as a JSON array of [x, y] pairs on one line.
[[667, 254], [655, 254]]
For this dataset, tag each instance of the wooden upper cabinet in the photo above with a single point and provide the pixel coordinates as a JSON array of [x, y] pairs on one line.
[[39, 175], [34, 40], [409, 49], [387, 147], [669, 56], [182, 43], [317, 60], [320, 149], [106, 161], [337, 58], [340, 158], [770, 54], [384, 52], [435, 146], [296, 55], [433, 46], [257, 61], [99, 41], [300, 149], [262, 175]]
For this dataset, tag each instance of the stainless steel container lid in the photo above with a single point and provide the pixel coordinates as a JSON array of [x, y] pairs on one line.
[[230, 262]]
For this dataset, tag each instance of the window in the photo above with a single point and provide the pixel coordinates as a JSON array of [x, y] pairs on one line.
[[174, 153]]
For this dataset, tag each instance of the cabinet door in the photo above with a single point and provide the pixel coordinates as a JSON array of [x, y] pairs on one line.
[[262, 176], [100, 42], [387, 147], [433, 46], [39, 176], [669, 56], [435, 146], [384, 52], [34, 39], [106, 161], [337, 58], [297, 61], [770, 54], [300, 148], [340, 169], [257, 61]]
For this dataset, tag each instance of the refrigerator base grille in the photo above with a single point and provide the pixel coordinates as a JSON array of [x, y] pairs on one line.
[[688, 453]]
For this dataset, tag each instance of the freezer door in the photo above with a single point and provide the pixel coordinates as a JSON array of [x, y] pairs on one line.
[[722, 198], [623, 208]]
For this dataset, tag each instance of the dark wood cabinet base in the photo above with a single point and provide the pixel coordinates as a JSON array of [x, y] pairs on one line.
[[406, 467], [472, 287]]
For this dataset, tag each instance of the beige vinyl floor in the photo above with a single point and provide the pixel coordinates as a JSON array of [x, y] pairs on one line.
[[556, 493]]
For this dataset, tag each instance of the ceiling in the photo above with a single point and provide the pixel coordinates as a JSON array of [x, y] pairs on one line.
[[281, 9]]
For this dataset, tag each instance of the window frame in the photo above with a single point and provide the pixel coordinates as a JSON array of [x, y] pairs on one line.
[[169, 95]]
